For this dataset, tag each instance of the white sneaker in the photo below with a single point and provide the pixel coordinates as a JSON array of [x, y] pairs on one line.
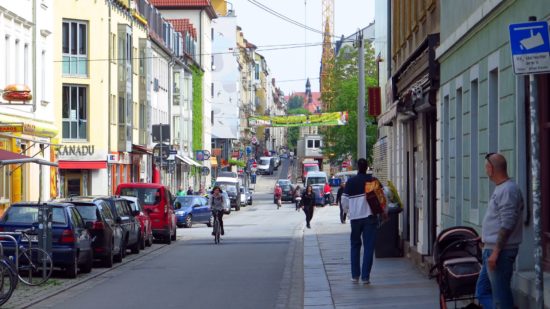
[[354, 280]]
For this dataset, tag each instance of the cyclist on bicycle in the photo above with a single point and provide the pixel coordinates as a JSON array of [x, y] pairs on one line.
[[217, 203], [298, 196], [278, 195]]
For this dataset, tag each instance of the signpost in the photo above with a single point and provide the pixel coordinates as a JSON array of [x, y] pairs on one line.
[[530, 45]]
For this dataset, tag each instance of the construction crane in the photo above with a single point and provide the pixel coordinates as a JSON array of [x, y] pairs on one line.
[[327, 57]]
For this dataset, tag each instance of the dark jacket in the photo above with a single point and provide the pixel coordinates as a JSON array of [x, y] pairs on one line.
[[308, 200]]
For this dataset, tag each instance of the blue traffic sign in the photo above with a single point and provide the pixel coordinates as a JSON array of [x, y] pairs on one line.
[[248, 150], [530, 45]]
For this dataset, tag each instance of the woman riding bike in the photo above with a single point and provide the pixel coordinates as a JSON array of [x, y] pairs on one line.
[[217, 202], [297, 197], [278, 195]]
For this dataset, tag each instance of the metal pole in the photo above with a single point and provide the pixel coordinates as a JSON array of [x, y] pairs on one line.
[[361, 127], [535, 188], [160, 153], [535, 191]]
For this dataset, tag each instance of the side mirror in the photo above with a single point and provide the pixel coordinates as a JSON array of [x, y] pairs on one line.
[[118, 220], [89, 225], [196, 206], [135, 213]]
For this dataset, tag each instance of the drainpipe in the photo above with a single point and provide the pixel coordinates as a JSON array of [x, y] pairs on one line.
[[109, 93], [34, 55]]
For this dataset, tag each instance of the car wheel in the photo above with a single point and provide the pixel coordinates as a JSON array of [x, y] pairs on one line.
[[122, 252], [72, 269], [87, 267], [210, 220], [135, 247], [108, 260], [168, 238], [174, 235], [150, 240], [188, 221], [142, 242]]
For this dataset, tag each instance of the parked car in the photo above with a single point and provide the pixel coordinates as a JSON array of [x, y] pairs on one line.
[[106, 233], [243, 196], [248, 195], [276, 162], [192, 209], [158, 201], [287, 190], [131, 228], [71, 240], [146, 237]]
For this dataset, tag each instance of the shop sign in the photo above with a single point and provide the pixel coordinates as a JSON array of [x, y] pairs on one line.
[[80, 153]]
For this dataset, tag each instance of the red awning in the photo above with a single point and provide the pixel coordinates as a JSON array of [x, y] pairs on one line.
[[8, 155], [82, 165]]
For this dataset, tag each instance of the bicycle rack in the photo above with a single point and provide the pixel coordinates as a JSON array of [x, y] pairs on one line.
[[11, 238]]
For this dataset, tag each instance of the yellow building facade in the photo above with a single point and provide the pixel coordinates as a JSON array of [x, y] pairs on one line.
[[97, 48]]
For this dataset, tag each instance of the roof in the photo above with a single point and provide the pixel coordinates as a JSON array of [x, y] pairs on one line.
[[183, 25], [312, 106], [187, 5]]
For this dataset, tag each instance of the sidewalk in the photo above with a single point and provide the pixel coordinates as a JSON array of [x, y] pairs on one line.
[[395, 282]]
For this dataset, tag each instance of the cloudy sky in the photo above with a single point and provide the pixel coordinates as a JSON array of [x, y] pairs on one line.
[[272, 34]]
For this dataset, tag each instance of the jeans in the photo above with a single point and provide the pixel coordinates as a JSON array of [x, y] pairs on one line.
[[493, 287], [220, 218], [308, 210], [362, 229]]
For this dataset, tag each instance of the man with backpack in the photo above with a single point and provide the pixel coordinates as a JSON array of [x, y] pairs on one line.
[[363, 220]]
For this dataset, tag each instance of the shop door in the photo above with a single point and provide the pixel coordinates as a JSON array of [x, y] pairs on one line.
[[73, 185]]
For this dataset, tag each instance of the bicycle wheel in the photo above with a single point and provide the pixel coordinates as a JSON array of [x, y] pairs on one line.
[[35, 266], [8, 281]]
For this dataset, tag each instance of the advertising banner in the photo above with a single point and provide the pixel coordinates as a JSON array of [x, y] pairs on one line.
[[322, 119]]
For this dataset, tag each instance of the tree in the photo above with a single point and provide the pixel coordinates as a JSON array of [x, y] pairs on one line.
[[341, 141], [293, 133], [295, 101]]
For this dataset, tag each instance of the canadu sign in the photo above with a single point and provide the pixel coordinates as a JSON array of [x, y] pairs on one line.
[[77, 152]]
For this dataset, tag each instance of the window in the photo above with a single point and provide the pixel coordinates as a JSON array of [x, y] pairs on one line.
[[74, 112], [310, 144], [459, 194], [257, 71], [7, 62], [317, 144], [75, 48], [474, 160], [212, 90], [26, 64]]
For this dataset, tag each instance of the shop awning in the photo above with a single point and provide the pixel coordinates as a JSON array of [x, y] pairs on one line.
[[188, 160], [82, 165], [8, 157], [213, 161], [388, 116], [141, 149]]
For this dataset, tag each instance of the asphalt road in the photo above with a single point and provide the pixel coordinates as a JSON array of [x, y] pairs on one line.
[[259, 264]]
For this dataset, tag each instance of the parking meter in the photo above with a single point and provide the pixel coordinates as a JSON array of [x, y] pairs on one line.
[[45, 227]]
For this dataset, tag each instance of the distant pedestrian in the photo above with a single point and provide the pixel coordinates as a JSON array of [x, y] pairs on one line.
[[363, 223], [308, 204], [339, 202], [327, 193], [190, 191], [298, 197], [501, 234], [180, 192]]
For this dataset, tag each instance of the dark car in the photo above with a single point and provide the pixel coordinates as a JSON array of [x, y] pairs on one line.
[[131, 228], [319, 195], [192, 209], [105, 231], [146, 237], [71, 240]]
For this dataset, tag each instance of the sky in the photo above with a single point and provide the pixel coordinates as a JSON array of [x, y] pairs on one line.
[[289, 66]]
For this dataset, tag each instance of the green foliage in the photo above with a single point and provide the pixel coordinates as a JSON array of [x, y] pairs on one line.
[[197, 108], [295, 102], [298, 111], [238, 163], [341, 141], [294, 132]]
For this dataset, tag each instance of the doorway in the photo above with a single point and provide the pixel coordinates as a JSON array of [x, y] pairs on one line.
[[73, 185]]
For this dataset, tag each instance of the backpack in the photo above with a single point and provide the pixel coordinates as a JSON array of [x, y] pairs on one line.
[[374, 194]]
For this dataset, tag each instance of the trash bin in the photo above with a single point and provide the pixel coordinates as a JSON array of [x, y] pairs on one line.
[[334, 182], [387, 242]]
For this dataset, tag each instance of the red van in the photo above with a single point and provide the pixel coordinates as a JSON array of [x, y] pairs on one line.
[[157, 200]]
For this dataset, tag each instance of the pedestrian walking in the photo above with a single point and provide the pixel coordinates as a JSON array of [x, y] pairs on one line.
[[308, 204], [501, 235], [190, 191], [339, 202], [180, 192], [297, 197], [327, 194], [363, 223]]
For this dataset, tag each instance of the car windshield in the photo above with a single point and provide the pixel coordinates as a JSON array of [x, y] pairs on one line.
[[88, 212], [133, 205], [146, 196], [312, 168], [286, 187], [316, 180], [264, 161], [185, 201], [29, 215]]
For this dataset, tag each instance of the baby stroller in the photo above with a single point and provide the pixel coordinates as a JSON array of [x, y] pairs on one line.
[[457, 264]]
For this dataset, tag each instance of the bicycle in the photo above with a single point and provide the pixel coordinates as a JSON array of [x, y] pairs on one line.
[[34, 265], [217, 226], [8, 278]]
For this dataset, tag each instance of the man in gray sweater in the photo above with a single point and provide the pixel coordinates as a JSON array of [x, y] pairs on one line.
[[501, 235]]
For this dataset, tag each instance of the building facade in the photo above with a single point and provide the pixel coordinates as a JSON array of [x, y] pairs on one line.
[[27, 128], [484, 107]]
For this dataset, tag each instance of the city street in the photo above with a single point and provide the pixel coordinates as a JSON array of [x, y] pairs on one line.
[[245, 271]]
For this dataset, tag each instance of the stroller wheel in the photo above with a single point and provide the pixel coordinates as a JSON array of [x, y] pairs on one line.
[[442, 302]]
